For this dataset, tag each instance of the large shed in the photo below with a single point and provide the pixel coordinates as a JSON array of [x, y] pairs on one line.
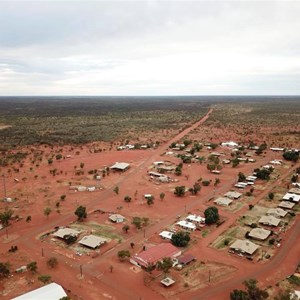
[[120, 166], [52, 291]]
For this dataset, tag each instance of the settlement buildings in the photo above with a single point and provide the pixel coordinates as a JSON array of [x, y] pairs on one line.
[[154, 254]]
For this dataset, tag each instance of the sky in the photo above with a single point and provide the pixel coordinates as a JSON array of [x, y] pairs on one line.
[[149, 48]]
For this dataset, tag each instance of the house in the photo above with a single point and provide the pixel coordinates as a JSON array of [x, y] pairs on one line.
[[233, 195], [154, 254], [116, 218], [269, 221], [223, 201], [195, 219], [52, 291], [92, 241], [229, 144], [120, 166], [277, 212], [241, 185], [244, 246], [167, 235], [186, 225], [259, 234], [276, 162], [286, 204], [63, 232], [291, 197], [186, 259], [276, 149], [295, 191], [296, 184], [251, 178], [158, 163]]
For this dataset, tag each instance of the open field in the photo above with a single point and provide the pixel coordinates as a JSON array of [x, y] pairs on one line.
[[40, 176]]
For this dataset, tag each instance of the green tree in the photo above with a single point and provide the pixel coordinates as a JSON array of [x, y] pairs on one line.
[[195, 189], [178, 171], [150, 200], [180, 238], [263, 174], [235, 162], [123, 254], [253, 291], [217, 181], [5, 216], [137, 222], [126, 228], [32, 266], [4, 270], [211, 215], [44, 278], [286, 295], [81, 165], [239, 295], [165, 265], [162, 196], [80, 212], [116, 190], [63, 197], [52, 262], [28, 219], [271, 196], [127, 199], [241, 177], [58, 156], [291, 155], [47, 212], [179, 191]]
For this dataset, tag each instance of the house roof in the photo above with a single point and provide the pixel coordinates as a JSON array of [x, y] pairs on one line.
[[259, 233], [223, 201], [186, 224], [186, 258], [116, 217], [120, 166], [92, 241], [156, 253], [195, 218], [233, 195], [277, 212], [269, 220], [286, 204], [295, 191], [291, 197], [52, 291], [166, 234], [244, 246], [61, 233]]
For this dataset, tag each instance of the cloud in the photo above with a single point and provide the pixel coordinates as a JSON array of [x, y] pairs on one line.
[[149, 47]]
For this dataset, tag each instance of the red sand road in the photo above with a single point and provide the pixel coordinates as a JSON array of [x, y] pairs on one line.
[[122, 283]]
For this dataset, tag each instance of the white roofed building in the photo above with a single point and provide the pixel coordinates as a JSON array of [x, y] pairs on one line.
[[244, 246], [195, 219], [259, 234], [52, 291], [92, 241], [224, 201], [120, 166], [187, 225], [277, 212], [291, 197], [167, 235], [269, 221]]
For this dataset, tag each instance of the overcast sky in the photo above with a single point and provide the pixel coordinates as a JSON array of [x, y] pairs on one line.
[[149, 48]]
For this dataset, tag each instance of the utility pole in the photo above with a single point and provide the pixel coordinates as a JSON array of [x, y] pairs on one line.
[[4, 186], [81, 271]]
